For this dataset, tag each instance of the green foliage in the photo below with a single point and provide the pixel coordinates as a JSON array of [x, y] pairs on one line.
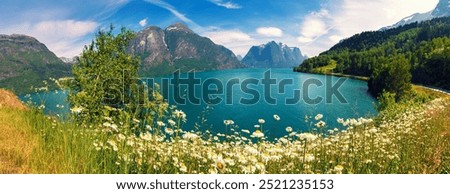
[[425, 45], [29, 69], [385, 100], [394, 77], [105, 75]]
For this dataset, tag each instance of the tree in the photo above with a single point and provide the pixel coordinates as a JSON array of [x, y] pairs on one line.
[[105, 75], [393, 77]]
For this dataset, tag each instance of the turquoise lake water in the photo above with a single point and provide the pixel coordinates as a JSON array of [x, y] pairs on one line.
[[358, 101]]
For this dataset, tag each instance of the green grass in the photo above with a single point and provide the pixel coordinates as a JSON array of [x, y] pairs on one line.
[[411, 137], [326, 69]]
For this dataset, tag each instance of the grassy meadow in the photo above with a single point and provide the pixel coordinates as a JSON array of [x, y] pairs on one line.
[[408, 137]]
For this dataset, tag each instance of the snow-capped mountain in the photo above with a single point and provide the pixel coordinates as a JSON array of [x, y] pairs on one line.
[[441, 10]]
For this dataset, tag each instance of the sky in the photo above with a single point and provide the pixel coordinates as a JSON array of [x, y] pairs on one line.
[[65, 26]]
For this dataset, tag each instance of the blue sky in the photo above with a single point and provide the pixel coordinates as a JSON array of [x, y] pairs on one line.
[[65, 26]]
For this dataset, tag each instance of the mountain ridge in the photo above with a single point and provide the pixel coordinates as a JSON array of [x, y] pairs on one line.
[[442, 9], [273, 55], [163, 51], [26, 62]]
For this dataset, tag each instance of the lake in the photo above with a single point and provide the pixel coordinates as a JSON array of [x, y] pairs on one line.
[[247, 95]]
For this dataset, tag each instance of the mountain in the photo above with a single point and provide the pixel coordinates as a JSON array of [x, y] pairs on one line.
[[442, 10], [178, 47], [72, 60], [25, 62], [273, 55], [425, 45]]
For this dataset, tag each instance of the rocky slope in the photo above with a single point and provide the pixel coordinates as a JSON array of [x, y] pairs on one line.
[[178, 47], [25, 62]]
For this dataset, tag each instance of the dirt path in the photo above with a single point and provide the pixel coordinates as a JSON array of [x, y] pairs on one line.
[[16, 142]]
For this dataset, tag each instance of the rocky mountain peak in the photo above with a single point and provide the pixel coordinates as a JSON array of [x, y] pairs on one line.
[[273, 55], [179, 27], [442, 10], [25, 42], [178, 47]]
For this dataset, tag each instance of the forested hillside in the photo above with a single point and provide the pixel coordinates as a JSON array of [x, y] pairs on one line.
[[425, 45]]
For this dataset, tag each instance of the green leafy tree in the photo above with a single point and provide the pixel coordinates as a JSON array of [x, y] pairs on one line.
[[393, 77], [105, 76]]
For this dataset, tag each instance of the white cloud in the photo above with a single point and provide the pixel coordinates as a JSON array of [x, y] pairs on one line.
[[170, 8], [63, 37], [239, 42], [269, 31], [143, 22], [228, 5], [344, 18], [314, 26]]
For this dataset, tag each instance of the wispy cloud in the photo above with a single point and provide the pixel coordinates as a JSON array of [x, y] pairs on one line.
[[269, 31], [143, 22], [343, 18], [236, 40], [172, 9], [64, 37], [228, 4]]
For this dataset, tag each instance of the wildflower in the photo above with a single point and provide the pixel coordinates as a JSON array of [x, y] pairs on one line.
[[121, 136], [257, 126], [245, 131], [229, 161], [340, 120], [136, 120], [261, 121], [228, 122], [318, 117], [219, 164], [338, 169], [113, 145], [307, 136], [276, 117], [183, 168], [114, 127], [171, 122], [346, 123], [320, 124], [179, 114], [160, 123], [146, 136], [169, 131], [251, 150], [107, 124], [212, 171], [258, 134], [309, 157], [289, 129], [373, 130], [130, 142], [368, 161], [148, 127], [249, 169], [190, 136], [260, 166]]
